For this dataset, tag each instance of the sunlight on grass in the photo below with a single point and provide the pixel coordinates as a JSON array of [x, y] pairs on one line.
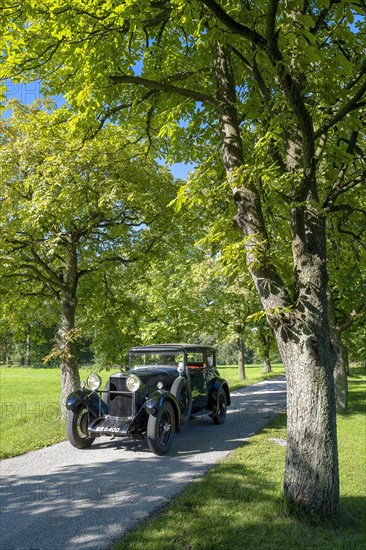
[[239, 504], [254, 374], [30, 411]]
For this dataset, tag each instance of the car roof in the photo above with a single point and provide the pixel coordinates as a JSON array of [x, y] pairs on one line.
[[172, 347]]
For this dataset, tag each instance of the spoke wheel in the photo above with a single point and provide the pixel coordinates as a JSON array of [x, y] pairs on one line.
[[181, 391], [160, 429], [77, 428], [220, 416]]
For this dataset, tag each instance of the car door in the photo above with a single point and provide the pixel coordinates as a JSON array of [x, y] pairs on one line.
[[198, 375]]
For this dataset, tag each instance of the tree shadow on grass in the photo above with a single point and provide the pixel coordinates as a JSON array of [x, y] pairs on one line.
[[241, 506], [91, 497], [241, 511]]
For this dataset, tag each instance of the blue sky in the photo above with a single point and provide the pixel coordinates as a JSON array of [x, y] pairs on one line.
[[28, 93]]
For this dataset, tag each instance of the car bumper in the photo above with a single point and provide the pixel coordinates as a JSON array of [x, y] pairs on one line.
[[110, 425]]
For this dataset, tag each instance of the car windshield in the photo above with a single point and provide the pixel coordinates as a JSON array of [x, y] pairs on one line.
[[143, 359]]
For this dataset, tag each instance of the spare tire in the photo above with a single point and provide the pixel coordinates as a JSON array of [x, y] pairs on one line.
[[182, 392]]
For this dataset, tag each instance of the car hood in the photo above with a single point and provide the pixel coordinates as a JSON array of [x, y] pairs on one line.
[[144, 372]]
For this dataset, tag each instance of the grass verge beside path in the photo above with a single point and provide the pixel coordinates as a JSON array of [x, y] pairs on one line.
[[254, 374], [30, 411], [29, 405], [239, 505]]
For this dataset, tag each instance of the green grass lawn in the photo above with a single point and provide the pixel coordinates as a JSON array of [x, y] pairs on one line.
[[29, 409], [254, 374], [239, 504], [29, 405]]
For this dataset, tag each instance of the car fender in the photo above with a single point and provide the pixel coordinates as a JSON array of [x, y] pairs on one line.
[[214, 387], [89, 399], [156, 400]]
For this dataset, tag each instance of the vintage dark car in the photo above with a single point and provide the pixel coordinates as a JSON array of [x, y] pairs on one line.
[[161, 388]]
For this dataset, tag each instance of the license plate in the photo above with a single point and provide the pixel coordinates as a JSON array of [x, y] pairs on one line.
[[112, 429]]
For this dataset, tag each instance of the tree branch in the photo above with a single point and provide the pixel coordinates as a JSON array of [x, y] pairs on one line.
[[348, 208], [358, 77], [52, 275], [322, 15], [337, 187], [184, 76], [353, 316], [271, 23], [26, 65], [166, 88], [265, 95], [234, 26], [351, 105], [41, 277], [253, 68]]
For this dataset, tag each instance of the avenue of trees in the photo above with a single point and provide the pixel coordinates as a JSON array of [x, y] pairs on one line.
[[267, 98]]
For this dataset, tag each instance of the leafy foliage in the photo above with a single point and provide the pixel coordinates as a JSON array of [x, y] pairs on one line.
[[63, 199], [272, 94]]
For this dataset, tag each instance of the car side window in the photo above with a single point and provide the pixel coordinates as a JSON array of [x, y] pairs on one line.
[[195, 360]]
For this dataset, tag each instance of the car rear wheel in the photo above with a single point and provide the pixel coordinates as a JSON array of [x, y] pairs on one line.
[[182, 392], [160, 429], [220, 416], [77, 428]]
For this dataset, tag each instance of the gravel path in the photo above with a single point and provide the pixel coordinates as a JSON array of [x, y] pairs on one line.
[[61, 498]]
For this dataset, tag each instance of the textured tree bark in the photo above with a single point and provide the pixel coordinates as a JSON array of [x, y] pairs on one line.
[[66, 335], [311, 474], [341, 367], [241, 358], [70, 379], [341, 370], [311, 480], [27, 362], [267, 367]]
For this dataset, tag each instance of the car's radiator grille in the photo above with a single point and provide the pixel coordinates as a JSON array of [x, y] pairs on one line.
[[120, 404]]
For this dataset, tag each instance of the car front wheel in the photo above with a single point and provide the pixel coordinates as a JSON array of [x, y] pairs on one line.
[[160, 429], [182, 392], [77, 428], [220, 416]]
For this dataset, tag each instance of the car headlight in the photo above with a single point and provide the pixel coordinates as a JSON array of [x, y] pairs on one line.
[[133, 382], [93, 381]]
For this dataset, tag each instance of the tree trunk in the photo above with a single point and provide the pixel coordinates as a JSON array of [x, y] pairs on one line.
[[66, 334], [311, 480], [66, 343], [311, 473], [346, 360], [341, 371], [267, 367], [341, 366], [27, 362], [241, 358]]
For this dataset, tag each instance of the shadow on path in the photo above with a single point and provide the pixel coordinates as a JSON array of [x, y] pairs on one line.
[[60, 497]]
